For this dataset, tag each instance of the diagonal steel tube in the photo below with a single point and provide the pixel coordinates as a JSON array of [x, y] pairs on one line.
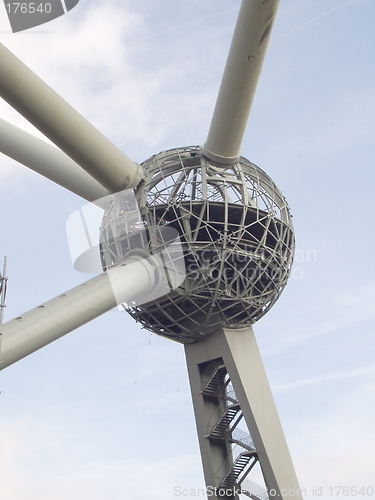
[[64, 126], [48, 161], [241, 74], [53, 319]]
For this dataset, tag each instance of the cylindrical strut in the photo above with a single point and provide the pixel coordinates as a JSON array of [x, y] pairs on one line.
[[64, 126], [241, 74], [70, 310], [48, 161]]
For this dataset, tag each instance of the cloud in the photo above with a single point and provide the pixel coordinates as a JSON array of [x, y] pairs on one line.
[[10, 168], [347, 466], [26, 475], [320, 16], [328, 377], [15, 449], [337, 310], [135, 479]]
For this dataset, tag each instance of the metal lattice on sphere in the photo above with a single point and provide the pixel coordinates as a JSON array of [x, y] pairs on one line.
[[236, 233]]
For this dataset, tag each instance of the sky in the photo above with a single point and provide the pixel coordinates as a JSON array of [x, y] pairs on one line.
[[105, 412]]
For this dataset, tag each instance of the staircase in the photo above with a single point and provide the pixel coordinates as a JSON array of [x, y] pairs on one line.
[[239, 469], [223, 422], [212, 379], [222, 426]]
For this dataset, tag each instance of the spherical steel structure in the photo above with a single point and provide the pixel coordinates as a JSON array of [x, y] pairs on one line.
[[236, 234]]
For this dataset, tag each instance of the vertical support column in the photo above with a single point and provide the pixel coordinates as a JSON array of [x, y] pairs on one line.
[[214, 453], [240, 354]]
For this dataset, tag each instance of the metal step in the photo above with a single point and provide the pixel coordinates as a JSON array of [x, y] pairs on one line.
[[223, 423], [214, 381], [239, 466]]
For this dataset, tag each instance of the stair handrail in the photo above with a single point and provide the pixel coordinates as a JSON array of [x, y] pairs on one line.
[[254, 490], [230, 392], [241, 437]]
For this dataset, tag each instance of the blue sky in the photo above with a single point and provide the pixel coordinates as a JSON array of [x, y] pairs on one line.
[[105, 412]]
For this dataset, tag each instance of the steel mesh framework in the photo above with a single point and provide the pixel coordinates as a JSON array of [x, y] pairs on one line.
[[236, 234]]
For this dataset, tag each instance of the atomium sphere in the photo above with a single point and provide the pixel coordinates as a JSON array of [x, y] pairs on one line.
[[236, 233]]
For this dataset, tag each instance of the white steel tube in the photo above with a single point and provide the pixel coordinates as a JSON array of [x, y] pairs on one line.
[[70, 310], [64, 126], [241, 74], [48, 161]]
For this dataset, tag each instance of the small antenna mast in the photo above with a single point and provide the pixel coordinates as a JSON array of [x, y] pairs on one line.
[[3, 291]]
